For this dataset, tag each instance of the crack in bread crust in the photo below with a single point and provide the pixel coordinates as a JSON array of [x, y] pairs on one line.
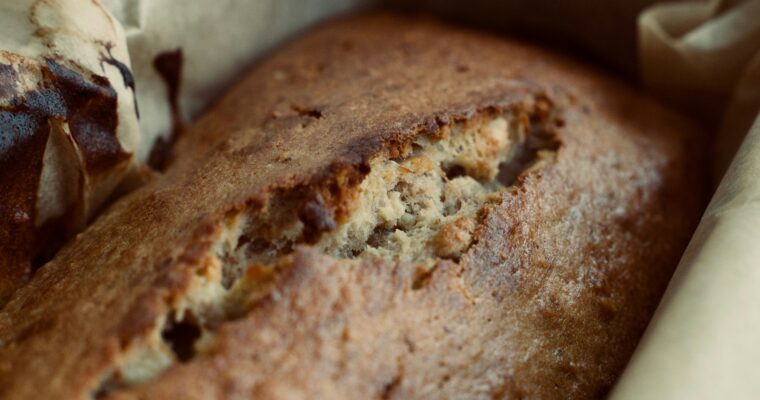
[[409, 209]]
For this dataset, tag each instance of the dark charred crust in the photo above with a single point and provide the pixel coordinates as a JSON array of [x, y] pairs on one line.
[[89, 105], [52, 235], [92, 114], [25, 135], [7, 77], [307, 112]]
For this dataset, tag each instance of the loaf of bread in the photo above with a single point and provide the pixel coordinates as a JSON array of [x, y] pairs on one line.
[[69, 129], [387, 207]]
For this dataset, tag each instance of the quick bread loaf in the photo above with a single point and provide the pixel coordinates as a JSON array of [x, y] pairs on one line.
[[387, 207]]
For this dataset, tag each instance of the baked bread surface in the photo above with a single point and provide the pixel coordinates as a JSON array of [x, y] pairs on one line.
[[559, 271]]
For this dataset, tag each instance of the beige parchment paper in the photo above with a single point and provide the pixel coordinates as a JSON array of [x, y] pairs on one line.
[[703, 341], [219, 39]]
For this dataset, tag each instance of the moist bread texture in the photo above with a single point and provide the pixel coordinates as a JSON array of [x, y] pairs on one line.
[[387, 207]]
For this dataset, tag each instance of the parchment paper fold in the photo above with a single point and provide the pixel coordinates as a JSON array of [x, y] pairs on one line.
[[703, 341]]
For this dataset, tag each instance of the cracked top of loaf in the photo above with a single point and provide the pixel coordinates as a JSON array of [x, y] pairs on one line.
[[386, 207]]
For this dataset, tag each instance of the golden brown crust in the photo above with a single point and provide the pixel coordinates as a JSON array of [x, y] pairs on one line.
[[549, 301], [88, 106]]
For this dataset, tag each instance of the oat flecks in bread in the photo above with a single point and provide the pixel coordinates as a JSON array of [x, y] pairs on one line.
[[385, 208]]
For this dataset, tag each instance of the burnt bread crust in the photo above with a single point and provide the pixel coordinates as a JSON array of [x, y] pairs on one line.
[[244, 270]]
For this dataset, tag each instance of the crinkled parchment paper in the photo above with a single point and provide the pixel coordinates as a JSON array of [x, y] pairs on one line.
[[218, 40], [703, 341]]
